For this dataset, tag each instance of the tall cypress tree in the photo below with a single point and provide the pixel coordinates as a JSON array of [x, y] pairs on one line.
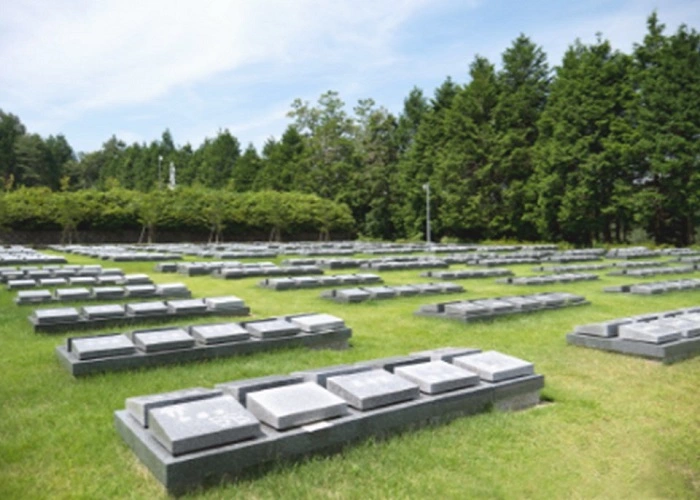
[[667, 117]]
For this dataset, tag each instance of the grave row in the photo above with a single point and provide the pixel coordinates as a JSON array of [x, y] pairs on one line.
[[353, 295], [653, 271], [632, 253], [462, 274], [301, 282], [71, 318], [655, 287], [548, 279], [232, 273], [571, 268], [115, 253], [54, 271], [153, 347], [19, 255], [396, 265], [190, 437], [165, 290], [102, 279], [477, 309], [666, 336]]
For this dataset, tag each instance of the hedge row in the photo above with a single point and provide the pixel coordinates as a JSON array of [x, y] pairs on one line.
[[185, 209]]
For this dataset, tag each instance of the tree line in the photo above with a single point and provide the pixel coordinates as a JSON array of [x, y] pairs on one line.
[[604, 144]]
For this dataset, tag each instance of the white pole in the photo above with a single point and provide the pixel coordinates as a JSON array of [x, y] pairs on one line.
[[426, 187], [160, 159]]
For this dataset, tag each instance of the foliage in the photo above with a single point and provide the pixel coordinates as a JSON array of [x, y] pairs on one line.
[[603, 147]]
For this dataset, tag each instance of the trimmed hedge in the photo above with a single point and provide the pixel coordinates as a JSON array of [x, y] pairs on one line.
[[186, 209]]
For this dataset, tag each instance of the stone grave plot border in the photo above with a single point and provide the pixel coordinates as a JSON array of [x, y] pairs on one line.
[[495, 307], [70, 318], [668, 336], [362, 294], [303, 282], [311, 330], [463, 274], [307, 412], [548, 279], [163, 290], [655, 287], [653, 271]]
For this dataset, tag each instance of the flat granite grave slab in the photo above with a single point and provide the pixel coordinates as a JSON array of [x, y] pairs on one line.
[[139, 407], [371, 389], [295, 416], [161, 346], [33, 297], [494, 366], [162, 339], [435, 377], [668, 336], [104, 311], [271, 328], [219, 333], [317, 322], [197, 425], [294, 405], [102, 346]]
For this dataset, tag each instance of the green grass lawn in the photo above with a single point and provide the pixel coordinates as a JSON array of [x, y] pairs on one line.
[[617, 426]]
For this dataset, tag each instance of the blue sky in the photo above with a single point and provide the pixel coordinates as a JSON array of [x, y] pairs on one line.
[[92, 69]]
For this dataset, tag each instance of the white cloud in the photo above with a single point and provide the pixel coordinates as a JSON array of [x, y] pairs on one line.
[[82, 55]]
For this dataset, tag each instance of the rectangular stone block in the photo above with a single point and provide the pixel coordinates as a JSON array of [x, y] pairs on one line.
[[224, 304], [67, 294], [103, 311], [651, 332], [198, 425], [140, 290], [140, 406], [101, 346], [58, 315], [271, 328], [218, 333], [146, 309], [20, 284], [603, 329], [33, 296], [380, 292], [53, 282], [312, 323], [372, 389], [437, 377], [295, 405], [108, 292], [688, 328], [466, 309], [494, 366], [164, 339], [187, 306]]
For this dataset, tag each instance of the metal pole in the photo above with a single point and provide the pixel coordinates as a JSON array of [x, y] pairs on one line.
[[426, 186]]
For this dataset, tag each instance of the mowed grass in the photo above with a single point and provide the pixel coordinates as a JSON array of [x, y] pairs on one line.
[[616, 426]]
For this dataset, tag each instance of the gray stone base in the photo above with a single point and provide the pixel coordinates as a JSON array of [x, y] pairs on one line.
[[183, 473], [667, 353]]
